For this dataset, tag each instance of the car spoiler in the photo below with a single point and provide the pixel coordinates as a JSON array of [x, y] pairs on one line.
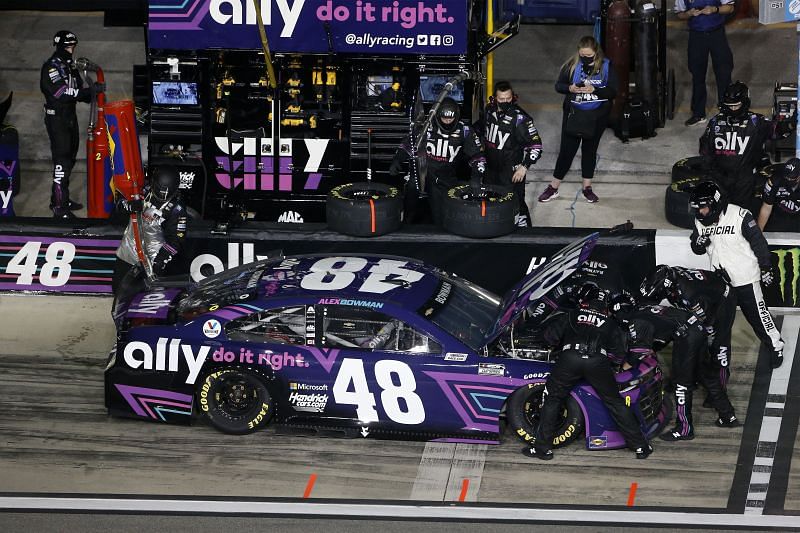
[[539, 282]]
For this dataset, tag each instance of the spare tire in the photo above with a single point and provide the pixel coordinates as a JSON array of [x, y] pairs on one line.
[[676, 202], [479, 211], [688, 167], [364, 209]]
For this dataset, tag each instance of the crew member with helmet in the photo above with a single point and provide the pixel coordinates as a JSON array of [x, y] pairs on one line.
[[62, 86], [651, 327], [512, 145], [712, 304], [732, 145], [448, 141], [162, 229], [730, 236], [586, 336], [782, 191]]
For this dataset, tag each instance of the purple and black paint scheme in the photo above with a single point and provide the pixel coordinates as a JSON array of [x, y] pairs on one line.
[[453, 387]]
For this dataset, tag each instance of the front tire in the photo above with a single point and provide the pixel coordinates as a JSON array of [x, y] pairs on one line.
[[524, 410], [235, 401]]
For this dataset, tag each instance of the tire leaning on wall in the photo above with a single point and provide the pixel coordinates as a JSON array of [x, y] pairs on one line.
[[364, 209], [688, 167], [481, 212], [676, 202]]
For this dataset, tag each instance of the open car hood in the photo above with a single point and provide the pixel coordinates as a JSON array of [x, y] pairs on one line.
[[538, 283]]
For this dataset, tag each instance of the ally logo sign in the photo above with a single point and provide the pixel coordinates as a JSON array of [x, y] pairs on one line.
[[312, 26]]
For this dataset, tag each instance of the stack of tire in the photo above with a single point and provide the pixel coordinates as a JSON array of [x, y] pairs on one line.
[[686, 173]]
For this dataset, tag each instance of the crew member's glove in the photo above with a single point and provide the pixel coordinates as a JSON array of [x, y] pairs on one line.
[[682, 330], [396, 167], [702, 241], [134, 206], [163, 257], [99, 87], [710, 331], [767, 276]]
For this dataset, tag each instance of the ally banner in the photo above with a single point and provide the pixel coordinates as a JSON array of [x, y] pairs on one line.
[[312, 26]]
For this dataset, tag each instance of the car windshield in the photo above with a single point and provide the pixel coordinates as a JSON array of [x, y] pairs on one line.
[[464, 310]]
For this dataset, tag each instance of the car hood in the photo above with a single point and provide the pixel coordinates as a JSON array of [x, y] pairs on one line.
[[539, 282]]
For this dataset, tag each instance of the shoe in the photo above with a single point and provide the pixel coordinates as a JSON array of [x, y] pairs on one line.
[[75, 206], [644, 453], [548, 194], [676, 434], [69, 215], [538, 454], [694, 120], [727, 421], [590, 196], [776, 359]]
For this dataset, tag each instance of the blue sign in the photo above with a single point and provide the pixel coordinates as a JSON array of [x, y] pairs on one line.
[[434, 27]]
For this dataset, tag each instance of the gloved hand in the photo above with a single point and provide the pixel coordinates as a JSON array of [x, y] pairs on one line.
[[135, 206], [162, 259], [395, 168], [767, 276], [682, 330], [99, 87], [702, 241], [710, 331]]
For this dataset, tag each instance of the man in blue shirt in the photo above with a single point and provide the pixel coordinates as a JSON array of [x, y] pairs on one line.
[[706, 20]]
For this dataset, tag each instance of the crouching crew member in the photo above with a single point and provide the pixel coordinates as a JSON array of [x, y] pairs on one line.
[[586, 336], [782, 191], [447, 142], [730, 236]]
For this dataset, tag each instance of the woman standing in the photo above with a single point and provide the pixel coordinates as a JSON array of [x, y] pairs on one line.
[[590, 84]]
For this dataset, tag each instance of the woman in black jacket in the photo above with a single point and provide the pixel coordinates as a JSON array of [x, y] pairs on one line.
[[590, 85]]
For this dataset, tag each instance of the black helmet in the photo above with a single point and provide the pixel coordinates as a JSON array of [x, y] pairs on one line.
[[659, 284], [707, 194], [64, 38], [791, 170], [448, 109], [736, 95], [593, 297], [621, 302], [164, 183]]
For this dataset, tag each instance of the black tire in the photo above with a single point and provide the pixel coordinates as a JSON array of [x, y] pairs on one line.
[[689, 167], [523, 410], [364, 209], [481, 212], [676, 202], [670, 96], [235, 401]]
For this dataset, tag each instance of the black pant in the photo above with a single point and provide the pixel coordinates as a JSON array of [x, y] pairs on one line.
[[570, 368], [701, 45], [569, 147], [691, 363], [755, 310], [62, 128], [722, 347]]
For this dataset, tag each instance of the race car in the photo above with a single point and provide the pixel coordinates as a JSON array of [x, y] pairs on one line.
[[370, 346]]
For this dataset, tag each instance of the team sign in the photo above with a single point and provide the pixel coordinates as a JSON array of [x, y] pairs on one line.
[[312, 26]]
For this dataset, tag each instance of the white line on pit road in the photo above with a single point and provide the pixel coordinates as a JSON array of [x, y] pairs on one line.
[[771, 421]]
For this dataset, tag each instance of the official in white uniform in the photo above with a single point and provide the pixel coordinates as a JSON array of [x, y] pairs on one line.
[[730, 236]]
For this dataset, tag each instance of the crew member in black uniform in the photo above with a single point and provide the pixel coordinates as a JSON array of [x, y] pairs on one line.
[[586, 336], [162, 230], [730, 236], [651, 328], [733, 146], [62, 86], [512, 145], [447, 142], [711, 302], [781, 191]]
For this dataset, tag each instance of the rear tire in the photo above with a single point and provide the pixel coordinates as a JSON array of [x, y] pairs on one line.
[[524, 410], [480, 212], [235, 401], [364, 209]]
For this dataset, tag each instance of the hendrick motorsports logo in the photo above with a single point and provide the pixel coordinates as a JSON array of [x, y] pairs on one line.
[[789, 274]]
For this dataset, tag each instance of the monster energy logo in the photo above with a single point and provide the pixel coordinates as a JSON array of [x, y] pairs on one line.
[[794, 255]]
